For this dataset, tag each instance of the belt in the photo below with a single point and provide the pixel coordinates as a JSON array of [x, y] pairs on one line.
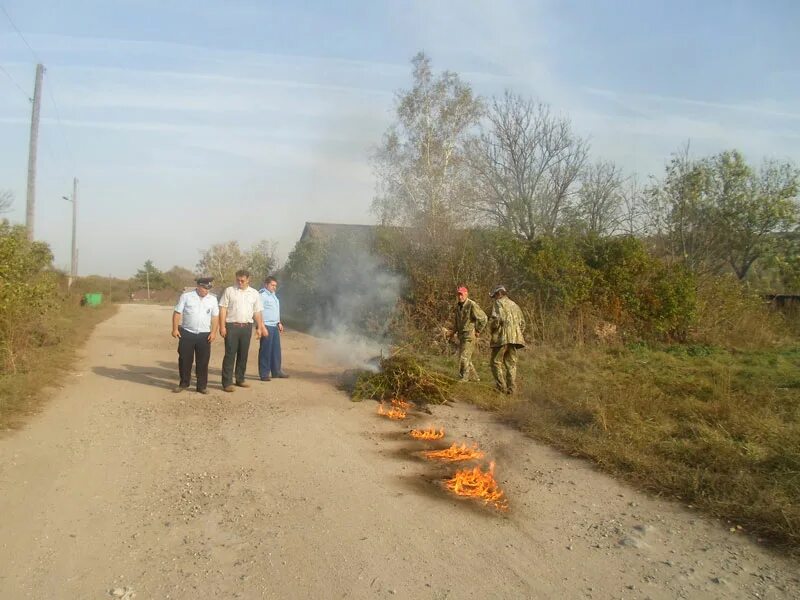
[[239, 324]]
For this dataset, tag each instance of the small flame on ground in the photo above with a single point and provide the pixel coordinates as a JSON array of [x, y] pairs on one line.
[[455, 453], [474, 483], [427, 434], [402, 404], [396, 414]]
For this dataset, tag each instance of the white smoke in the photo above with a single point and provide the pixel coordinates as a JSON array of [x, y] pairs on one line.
[[358, 296]]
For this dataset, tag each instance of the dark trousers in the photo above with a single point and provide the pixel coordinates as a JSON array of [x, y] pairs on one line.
[[237, 345], [269, 353], [193, 347]]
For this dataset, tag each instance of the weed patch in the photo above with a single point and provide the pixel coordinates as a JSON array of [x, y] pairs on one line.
[[713, 428]]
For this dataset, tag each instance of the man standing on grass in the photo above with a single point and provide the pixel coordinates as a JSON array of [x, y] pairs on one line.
[[194, 322], [239, 307], [269, 348], [469, 322], [506, 324]]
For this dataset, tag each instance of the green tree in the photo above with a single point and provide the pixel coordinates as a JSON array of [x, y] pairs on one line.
[[150, 276], [421, 169], [221, 261], [178, 278], [261, 260], [718, 212], [754, 208]]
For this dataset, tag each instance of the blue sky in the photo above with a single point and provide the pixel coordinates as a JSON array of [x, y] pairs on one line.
[[195, 122]]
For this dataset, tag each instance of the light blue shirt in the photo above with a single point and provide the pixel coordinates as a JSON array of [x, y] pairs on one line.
[[196, 312], [272, 307]]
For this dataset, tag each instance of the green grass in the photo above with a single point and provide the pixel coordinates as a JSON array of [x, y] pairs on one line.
[[716, 429], [46, 362]]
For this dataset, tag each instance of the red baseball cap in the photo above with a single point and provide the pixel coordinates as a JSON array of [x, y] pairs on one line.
[[462, 289]]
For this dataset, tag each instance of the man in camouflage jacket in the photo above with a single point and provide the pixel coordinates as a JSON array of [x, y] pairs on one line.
[[469, 322], [506, 325]]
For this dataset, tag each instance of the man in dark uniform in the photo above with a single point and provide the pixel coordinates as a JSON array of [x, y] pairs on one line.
[[195, 321]]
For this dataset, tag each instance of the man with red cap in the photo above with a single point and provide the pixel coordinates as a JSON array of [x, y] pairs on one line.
[[469, 322]]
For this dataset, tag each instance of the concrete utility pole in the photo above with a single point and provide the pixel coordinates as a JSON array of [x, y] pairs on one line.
[[37, 98], [73, 265]]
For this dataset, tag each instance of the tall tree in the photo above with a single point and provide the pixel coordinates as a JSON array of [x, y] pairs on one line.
[[261, 260], [718, 212], [600, 198], [221, 261], [178, 278], [526, 165], [753, 208], [420, 166], [150, 275]]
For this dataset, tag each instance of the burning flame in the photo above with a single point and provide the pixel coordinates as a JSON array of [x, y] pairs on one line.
[[455, 453], [427, 434], [402, 404], [396, 414], [474, 483]]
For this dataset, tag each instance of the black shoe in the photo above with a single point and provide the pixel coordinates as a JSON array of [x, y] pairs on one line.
[[203, 391], [266, 379], [281, 375]]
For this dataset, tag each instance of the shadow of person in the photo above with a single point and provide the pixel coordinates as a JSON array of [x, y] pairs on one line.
[[145, 375], [173, 367]]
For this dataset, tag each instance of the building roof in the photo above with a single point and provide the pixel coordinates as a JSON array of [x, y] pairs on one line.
[[324, 231]]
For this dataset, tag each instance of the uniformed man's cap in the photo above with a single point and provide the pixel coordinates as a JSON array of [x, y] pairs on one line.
[[498, 288], [205, 282]]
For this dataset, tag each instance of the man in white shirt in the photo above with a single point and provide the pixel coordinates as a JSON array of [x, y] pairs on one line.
[[194, 322], [239, 307]]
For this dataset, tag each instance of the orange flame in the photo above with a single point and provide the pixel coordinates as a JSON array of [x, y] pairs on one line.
[[402, 404], [455, 453], [395, 414], [474, 483], [427, 434]]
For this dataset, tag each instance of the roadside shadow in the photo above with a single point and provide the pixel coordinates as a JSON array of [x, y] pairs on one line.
[[173, 368], [331, 377], [149, 375]]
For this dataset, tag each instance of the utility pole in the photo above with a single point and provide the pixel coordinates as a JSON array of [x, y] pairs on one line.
[[34, 139], [73, 264], [147, 273]]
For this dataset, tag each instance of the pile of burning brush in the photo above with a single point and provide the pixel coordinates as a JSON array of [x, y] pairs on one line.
[[403, 376]]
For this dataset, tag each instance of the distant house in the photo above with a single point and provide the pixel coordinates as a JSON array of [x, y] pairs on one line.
[[327, 231]]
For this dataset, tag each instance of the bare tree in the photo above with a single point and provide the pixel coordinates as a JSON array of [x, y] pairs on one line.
[[526, 166], [633, 208], [420, 166], [6, 200], [600, 197]]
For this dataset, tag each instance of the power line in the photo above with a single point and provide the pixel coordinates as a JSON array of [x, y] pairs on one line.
[[49, 90], [14, 81], [22, 37], [60, 124]]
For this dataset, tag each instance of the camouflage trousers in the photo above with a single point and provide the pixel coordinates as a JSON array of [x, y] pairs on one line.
[[466, 347], [504, 367]]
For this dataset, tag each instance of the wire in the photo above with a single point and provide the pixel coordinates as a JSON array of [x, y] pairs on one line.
[[14, 81], [61, 125], [10, 20], [49, 90]]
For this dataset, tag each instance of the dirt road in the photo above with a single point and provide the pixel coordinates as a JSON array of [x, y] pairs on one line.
[[288, 490]]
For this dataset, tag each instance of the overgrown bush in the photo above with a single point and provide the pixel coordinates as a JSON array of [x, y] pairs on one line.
[[28, 291]]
